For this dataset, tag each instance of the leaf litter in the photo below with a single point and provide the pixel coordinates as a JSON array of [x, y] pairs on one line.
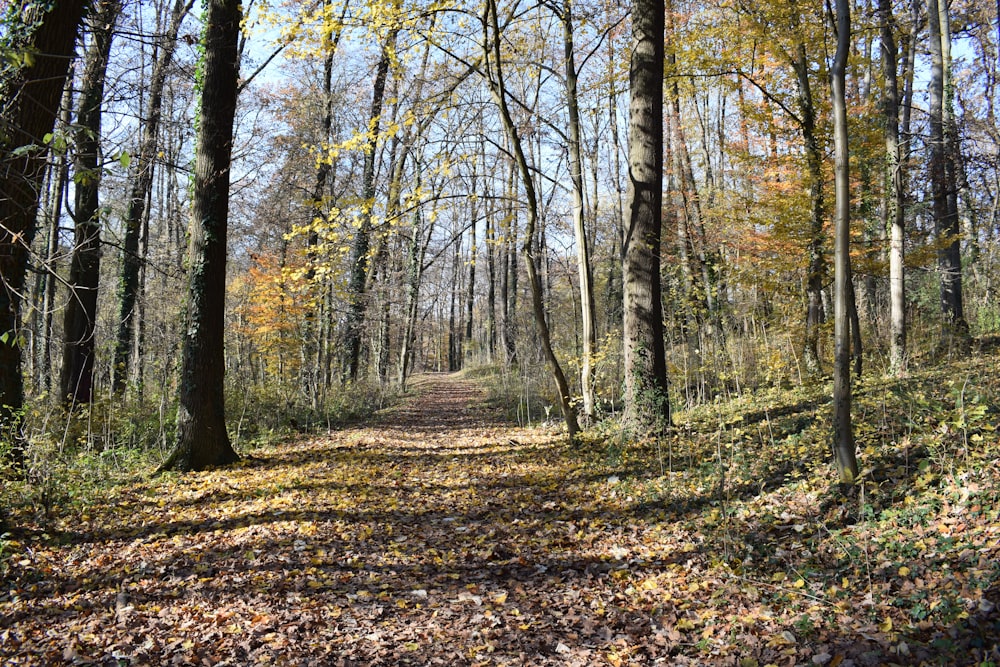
[[439, 535]]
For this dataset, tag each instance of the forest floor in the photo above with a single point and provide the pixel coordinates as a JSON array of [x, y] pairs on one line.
[[439, 534]]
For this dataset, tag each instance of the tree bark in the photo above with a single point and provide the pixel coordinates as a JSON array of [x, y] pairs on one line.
[[894, 208], [29, 102], [955, 330], [202, 440], [586, 281], [843, 432], [647, 405], [76, 381]]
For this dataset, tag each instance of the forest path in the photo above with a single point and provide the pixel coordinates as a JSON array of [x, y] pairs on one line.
[[434, 534]]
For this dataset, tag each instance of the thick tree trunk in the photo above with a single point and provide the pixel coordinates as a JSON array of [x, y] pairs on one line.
[[76, 382], [843, 432], [647, 405], [202, 440], [141, 183], [30, 95]]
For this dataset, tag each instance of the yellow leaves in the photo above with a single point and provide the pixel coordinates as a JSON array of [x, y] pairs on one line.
[[782, 639]]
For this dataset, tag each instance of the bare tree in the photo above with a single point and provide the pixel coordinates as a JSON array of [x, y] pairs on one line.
[[843, 432], [76, 381]]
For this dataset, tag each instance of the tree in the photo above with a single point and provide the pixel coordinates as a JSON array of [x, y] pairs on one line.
[[498, 90], [141, 182], [816, 270], [894, 208], [843, 432], [362, 238], [942, 174], [38, 47], [647, 405], [76, 380], [202, 440], [586, 280]]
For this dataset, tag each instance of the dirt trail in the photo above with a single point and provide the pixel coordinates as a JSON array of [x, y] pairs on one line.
[[438, 535], [434, 535]]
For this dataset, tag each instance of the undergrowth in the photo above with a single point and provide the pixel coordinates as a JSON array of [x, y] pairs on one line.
[[916, 538], [74, 456]]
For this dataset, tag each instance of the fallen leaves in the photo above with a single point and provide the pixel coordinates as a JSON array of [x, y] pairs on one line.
[[435, 537]]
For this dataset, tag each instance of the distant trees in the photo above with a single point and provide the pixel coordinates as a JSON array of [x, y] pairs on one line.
[[498, 88], [141, 181]]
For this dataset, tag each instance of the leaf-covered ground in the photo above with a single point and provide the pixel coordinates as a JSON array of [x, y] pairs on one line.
[[439, 535]]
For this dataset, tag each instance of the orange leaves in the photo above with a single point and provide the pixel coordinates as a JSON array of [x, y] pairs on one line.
[[272, 310]]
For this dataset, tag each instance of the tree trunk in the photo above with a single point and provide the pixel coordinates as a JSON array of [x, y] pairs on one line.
[[362, 239], [587, 313], [843, 432], [30, 95], [894, 208], [76, 382], [509, 270], [415, 265], [491, 272], [647, 405], [816, 268], [60, 178], [614, 289], [454, 334], [141, 183], [202, 440], [955, 329], [470, 288], [499, 93]]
